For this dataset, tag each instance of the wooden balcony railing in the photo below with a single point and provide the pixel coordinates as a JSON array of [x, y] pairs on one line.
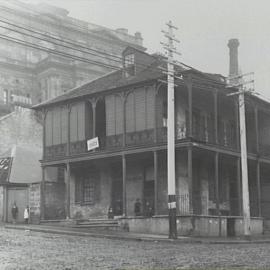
[[201, 133], [264, 149], [55, 151], [142, 137], [78, 147]]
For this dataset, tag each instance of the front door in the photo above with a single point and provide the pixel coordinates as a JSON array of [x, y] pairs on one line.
[[20, 197]]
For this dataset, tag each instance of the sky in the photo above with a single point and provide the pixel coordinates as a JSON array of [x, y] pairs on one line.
[[204, 28]]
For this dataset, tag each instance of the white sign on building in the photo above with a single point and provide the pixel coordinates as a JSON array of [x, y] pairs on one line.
[[92, 144]]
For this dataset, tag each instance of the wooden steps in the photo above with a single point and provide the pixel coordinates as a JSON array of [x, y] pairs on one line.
[[97, 224]]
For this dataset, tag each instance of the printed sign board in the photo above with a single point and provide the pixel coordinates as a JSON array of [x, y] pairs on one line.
[[92, 144]]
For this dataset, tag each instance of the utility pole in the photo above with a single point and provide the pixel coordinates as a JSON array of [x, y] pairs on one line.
[[171, 130], [243, 144]]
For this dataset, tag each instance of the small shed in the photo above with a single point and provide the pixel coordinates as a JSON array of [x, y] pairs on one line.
[[19, 167]]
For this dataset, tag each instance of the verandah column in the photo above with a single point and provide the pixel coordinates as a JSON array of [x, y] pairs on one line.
[[94, 104], [68, 129], [42, 194], [156, 182], [124, 172], [190, 179], [124, 98], [256, 128], [217, 181], [190, 113], [67, 190], [215, 94], [258, 176], [42, 184], [217, 188], [258, 167], [44, 114]]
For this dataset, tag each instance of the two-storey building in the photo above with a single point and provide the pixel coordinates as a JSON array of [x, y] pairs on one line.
[[126, 111]]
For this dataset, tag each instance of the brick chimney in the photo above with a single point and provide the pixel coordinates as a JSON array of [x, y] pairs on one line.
[[233, 47]]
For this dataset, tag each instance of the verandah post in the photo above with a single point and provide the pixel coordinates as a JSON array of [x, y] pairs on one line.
[[124, 172]]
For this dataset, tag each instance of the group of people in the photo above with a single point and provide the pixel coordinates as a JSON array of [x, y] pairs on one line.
[[138, 211], [148, 209], [15, 212]]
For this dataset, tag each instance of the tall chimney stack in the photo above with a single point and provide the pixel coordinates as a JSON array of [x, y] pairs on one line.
[[233, 46]]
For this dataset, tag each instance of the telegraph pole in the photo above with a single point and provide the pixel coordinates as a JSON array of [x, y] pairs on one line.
[[171, 131], [243, 144]]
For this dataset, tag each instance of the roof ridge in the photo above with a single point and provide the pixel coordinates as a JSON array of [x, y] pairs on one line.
[[77, 87]]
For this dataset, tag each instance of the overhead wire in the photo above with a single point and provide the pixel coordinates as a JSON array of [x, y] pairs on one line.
[[100, 54], [84, 47], [57, 44], [42, 48]]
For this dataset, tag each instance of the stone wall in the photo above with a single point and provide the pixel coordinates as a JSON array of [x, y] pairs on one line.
[[134, 186], [55, 200], [186, 225], [103, 199]]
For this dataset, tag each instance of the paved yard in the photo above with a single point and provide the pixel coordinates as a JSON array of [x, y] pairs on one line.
[[33, 250]]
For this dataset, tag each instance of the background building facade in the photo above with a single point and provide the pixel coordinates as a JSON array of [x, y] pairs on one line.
[[30, 73]]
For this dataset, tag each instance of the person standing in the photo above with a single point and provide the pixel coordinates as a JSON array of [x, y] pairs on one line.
[[26, 215], [14, 212], [137, 207]]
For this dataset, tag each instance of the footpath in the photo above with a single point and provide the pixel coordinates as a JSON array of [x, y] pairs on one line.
[[122, 235]]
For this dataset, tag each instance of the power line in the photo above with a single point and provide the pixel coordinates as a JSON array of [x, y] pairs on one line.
[[102, 53], [49, 41], [58, 39], [57, 44], [42, 48], [94, 50]]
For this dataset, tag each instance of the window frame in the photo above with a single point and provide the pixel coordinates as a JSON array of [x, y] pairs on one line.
[[85, 191]]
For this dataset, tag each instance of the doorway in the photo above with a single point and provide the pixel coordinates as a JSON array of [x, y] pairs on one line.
[[20, 197]]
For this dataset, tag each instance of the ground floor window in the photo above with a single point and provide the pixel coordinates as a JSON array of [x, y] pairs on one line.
[[85, 190]]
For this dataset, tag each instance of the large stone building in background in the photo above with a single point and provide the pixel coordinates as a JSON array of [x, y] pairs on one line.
[[29, 75]]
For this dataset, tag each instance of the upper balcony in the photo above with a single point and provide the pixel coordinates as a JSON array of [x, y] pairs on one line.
[[140, 120]]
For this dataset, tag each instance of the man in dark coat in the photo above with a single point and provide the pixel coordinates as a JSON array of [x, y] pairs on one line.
[[137, 207], [14, 212]]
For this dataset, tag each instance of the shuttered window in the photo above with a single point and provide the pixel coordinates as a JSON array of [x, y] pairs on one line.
[[140, 110], [77, 122], [48, 128], [150, 108], [110, 115], [56, 126], [130, 113], [118, 115], [73, 124], [64, 127], [81, 121]]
